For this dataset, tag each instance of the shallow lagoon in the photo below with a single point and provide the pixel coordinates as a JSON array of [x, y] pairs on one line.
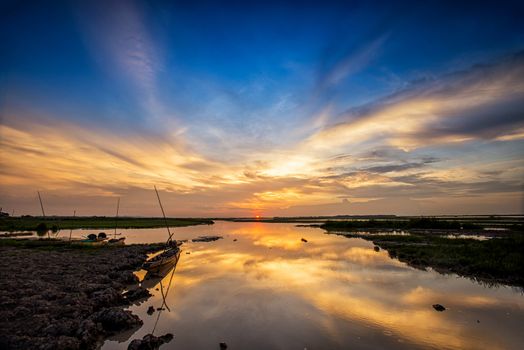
[[270, 290]]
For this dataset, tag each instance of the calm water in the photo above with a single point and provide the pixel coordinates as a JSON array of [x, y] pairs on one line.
[[270, 290]]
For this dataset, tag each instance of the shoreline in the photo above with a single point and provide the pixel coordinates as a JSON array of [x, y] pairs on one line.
[[57, 297]]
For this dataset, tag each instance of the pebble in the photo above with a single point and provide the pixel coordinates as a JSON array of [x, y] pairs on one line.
[[439, 307]]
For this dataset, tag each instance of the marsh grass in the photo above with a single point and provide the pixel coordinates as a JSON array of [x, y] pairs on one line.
[[31, 223], [499, 260], [415, 223]]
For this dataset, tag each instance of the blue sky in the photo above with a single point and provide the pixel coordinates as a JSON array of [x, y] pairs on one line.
[[239, 105]]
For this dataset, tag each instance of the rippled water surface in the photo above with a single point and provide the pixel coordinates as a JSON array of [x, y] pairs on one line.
[[270, 290]]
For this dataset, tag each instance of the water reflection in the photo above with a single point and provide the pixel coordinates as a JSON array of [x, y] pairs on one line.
[[270, 290]]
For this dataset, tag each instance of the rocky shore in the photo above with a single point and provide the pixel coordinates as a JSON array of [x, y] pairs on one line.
[[68, 298]]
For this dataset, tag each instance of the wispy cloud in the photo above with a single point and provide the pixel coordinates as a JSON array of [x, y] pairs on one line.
[[485, 102], [349, 62], [120, 41]]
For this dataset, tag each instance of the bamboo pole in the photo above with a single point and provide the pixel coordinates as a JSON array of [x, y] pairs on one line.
[[41, 205], [165, 220], [116, 217], [71, 230]]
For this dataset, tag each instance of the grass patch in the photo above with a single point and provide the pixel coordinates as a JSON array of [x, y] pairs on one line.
[[416, 223], [43, 244], [30, 223], [53, 244], [498, 260]]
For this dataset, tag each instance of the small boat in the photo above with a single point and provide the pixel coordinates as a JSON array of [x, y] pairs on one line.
[[171, 253], [168, 257], [90, 242], [117, 241], [93, 240]]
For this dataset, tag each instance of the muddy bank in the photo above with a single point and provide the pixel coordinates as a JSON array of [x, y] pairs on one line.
[[67, 298]]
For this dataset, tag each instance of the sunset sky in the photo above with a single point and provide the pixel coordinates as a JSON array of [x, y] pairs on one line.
[[236, 109]]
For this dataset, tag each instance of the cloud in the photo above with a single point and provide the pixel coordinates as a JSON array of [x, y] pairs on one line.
[[67, 155], [349, 62], [120, 41], [399, 167], [484, 102]]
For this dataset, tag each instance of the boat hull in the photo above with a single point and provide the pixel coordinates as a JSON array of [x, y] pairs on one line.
[[91, 243], [155, 266], [119, 241]]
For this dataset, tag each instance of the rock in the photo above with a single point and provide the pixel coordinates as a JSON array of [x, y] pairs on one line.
[[127, 277], [223, 346], [22, 311], [87, 333], [60, 328], [115, 319], [439, 307], [150, 310], [106, 297], [68, 343], [207, 238], [304, 240], [136, 294], [150, 342]]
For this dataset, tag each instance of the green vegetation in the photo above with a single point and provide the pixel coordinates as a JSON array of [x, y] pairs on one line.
[[34, 223], [54, 244], [497, 260], [415, 223], [44, 244], [491, 223]]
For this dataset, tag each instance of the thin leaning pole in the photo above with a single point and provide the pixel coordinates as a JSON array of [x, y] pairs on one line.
[[71, 230], [116, 217], [164, 214], [41, 205]]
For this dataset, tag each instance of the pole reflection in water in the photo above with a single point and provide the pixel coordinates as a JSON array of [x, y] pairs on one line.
[[164, 297]]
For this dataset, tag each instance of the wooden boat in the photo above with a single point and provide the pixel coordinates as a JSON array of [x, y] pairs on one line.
[[168, 257], [171, 254], [96, 242], [93, 240], [116, 241]]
